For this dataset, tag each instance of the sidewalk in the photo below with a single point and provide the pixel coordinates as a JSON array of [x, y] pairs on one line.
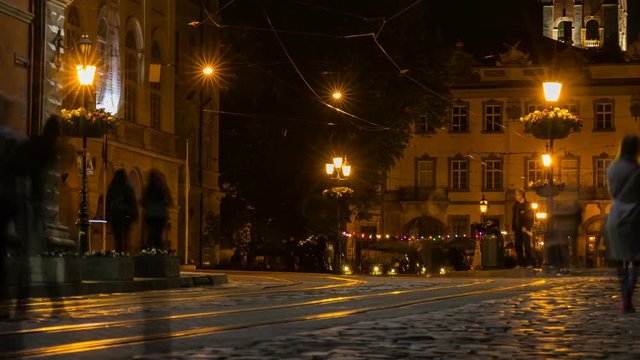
[[527, 273], [86, 287]]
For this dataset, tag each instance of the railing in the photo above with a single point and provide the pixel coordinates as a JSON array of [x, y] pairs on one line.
[[417, 194], [592, 43], [146, 138], [593, 193]]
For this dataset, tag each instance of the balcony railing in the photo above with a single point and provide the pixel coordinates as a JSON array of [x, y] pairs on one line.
[[592, 43], [417, 194], [593, 193], [146, 138]]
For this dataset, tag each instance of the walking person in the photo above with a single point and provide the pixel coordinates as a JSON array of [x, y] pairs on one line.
[[122, 210], [521, 224], [155, 203], [623, 222]]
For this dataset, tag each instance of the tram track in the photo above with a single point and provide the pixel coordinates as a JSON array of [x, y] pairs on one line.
[[325, 301], [92, 345], [94, 303]]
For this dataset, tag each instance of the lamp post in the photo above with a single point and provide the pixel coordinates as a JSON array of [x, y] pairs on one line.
[[551, 95], [340, 170], [86, 74]]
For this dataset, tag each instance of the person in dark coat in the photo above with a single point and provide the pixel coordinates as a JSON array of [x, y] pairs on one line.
[[155, 202], [521, 224], [623, 222], [122, 209]]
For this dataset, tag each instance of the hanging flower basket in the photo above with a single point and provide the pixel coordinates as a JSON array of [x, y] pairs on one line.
[[551, 124], [544, 189], [338, 192], [80, 122]]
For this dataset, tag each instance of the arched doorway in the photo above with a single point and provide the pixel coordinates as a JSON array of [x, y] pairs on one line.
[[137, 233], [592, 246], [424, 226]]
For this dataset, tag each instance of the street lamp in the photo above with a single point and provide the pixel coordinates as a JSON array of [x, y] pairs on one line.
[[208, 70], [551, 90], [340, 170], [86, 74], [484, 207], [551, 95]]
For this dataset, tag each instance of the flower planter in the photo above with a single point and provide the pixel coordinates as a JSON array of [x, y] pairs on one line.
[[92, 124], [107, 268], [40, 269], [550, 129], [549, 190], [551, 124], [156, 266]]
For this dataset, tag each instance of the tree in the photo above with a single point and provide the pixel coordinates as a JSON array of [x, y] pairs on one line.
[[282, 81]]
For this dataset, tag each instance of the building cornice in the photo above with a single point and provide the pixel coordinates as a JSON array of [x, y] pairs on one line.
[[15, 12], [61, 3]]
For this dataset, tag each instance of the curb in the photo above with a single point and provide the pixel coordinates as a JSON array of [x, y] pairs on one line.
[[87, 287]]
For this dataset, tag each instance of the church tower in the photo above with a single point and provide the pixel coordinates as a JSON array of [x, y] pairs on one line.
[[586, 23]]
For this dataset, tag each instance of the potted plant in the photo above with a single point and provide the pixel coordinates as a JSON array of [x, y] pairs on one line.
[[107, 265], [154, 262], [55, 267], [550, 124]]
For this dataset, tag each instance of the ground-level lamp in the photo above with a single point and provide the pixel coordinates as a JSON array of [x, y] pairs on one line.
[[484, 207], [86, 74]]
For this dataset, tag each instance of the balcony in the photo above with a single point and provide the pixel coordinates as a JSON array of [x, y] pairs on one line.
[[593, 193], [417, 194], [146, 138], [592, 43]]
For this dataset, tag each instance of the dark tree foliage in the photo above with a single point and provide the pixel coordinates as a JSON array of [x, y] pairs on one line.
[[273, 156]]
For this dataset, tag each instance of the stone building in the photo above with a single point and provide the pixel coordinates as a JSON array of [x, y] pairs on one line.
[[147, 54], [586, 23], [483, 150]]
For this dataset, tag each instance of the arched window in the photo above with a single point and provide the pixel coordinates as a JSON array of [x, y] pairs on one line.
[[565, 31], [72, 32], [592, 36], [155, 94], [130, 76], [102, 55], [72, 28]]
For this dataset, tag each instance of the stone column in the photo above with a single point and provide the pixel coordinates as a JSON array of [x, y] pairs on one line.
[[57, 235], [577, 25], [547, 19]]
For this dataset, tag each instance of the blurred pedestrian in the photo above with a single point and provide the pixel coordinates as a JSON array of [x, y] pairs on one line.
[[122, 209], [565, 220], [521, 224], [155, 202], [623, 222]]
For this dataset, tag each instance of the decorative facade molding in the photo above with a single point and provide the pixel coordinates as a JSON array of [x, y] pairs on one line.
[[15, 12]]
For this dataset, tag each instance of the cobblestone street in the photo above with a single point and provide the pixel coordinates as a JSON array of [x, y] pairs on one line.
[[579, 318]]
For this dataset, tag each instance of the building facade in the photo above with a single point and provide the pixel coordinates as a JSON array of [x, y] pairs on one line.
[[141, 69], [586, 23], [482, 150]]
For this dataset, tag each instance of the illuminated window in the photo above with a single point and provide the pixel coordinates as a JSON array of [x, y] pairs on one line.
[[600, 173], [130, 76], [603, 119], [569, 170], [155, 95], [493, 174], [426, 173], [493, 118], [459, 119], [459, 175], [459, 224], [424, 126], [535, 171]]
